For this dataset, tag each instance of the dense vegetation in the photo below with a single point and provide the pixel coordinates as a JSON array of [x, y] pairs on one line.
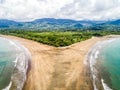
[[56, 38]]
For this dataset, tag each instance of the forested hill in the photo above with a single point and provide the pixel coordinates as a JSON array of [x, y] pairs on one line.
[[60, 24]]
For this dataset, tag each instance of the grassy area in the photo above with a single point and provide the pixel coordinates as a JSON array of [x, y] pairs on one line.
[[55, 38]]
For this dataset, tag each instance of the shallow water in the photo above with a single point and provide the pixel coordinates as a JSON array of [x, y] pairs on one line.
[[9, 56], [105, 65], [109, 59]]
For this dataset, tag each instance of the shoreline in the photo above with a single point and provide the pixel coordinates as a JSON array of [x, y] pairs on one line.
[[98, 82], [20, 65], [64, 64]]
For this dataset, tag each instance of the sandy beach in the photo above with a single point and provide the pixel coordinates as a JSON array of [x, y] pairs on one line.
[[60, 68]]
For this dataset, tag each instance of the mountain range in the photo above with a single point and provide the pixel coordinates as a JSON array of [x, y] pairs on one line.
[[60, 24]]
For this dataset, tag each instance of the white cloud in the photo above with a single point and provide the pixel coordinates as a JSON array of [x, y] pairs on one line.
[[25, 10]]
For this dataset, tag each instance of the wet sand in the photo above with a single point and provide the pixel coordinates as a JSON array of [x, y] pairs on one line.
[[60, 68]]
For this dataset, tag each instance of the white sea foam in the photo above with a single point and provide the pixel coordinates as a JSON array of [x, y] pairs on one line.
[[96, 54], [91, 58], [12, 43], [18, 77], [93, 54], [105, 86], [8, 87]]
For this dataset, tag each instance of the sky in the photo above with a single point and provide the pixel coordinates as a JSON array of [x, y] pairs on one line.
[[28, 10]]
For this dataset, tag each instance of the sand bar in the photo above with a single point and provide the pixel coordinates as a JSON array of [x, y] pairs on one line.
[[60, 68]]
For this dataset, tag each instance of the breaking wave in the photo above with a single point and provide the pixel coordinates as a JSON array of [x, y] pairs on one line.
[[91, 60], [21, 64]]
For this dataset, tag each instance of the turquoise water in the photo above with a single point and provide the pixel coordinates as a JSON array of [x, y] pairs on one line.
[[109, 60], [8, 54]]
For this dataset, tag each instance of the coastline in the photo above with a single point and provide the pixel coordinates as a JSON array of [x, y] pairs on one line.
[[60, 68], [98, 81], [19, 66]]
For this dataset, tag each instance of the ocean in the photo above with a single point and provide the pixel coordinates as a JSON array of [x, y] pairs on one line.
[[13, 60], [105, 65]]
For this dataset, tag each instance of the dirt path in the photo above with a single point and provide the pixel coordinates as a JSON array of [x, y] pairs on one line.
[[57, 68]]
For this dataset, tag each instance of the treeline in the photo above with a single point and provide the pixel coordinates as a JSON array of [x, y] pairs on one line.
[[57, 38]]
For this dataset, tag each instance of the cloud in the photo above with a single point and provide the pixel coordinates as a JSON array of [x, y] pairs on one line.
[[25, 10]]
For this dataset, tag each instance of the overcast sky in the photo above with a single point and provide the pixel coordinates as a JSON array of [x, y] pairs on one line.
[[26, 10]]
